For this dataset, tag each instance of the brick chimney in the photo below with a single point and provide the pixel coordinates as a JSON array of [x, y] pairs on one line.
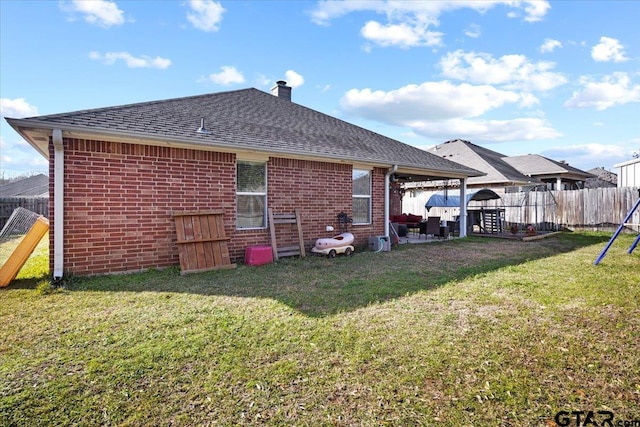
[[281, 90]]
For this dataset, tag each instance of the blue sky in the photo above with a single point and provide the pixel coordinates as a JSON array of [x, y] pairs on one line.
[[561, 79]]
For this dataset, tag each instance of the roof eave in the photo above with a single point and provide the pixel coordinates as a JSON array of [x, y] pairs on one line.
[[29, 134], [29, 129]]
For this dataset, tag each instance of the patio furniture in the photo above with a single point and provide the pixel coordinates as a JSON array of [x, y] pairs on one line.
[[433, 226], [409, 221], [453, 227]]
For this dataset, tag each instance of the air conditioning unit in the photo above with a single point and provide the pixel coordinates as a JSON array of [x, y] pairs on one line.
[[379, 244]]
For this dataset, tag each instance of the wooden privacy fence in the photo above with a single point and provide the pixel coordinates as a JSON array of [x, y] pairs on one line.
[[591, 208], [39, 205], [588, 208]]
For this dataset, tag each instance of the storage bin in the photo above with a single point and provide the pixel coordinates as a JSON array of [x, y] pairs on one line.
[[258, 255]]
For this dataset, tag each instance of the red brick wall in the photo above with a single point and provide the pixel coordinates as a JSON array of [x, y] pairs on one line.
[[319, 191], [119, 199]]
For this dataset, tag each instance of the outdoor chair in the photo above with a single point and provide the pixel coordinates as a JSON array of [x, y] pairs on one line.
[[454, 227], [433, 226]]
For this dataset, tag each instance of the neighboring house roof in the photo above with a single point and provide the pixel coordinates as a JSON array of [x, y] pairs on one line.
[[601, 178], [485, 160], [33, 186], [539, 166], [242, 120]]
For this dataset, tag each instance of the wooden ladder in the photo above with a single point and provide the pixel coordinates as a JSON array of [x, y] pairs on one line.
[[290, 218]]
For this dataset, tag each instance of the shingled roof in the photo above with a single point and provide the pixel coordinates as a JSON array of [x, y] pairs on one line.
[[537, 165], [601, 178], [33, 186], [491, 162], [246, 119]]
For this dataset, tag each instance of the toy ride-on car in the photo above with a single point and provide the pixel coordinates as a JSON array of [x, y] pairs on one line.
[[331, 246]]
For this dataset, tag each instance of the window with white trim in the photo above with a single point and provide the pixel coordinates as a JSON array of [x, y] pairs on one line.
[[361, 196], [251, 195]]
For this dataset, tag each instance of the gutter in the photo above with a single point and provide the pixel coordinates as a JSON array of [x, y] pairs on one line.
[[390, 172], [212, 143], [58, 205]]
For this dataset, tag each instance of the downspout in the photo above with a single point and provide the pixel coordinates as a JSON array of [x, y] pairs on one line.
[[463, 207], [58, 205], [386, 200]]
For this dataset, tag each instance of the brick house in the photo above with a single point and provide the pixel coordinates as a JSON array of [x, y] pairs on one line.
[[118, 173]]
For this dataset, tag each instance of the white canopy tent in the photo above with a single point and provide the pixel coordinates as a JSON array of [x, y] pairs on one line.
[[486, 219], [451, 198]]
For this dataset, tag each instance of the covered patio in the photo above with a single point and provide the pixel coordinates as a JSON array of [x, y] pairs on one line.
[[481, 217]]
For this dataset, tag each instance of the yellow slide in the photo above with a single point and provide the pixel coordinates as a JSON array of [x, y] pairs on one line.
[[10, 269]]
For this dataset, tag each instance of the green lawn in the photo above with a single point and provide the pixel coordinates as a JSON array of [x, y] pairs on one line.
[[472, 332]]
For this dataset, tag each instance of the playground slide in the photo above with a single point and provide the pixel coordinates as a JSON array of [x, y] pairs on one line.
[[21, 253]]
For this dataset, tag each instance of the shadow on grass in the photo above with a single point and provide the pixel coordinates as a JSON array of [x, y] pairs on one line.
[[28, 283], [319, 286]]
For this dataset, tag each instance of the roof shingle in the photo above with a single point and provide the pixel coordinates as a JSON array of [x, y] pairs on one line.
[[480, 158], [249, 119]]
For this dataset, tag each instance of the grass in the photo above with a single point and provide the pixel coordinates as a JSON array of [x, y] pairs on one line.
[[474, 332]]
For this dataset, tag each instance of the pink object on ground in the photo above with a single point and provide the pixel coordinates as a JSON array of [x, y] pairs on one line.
[[258, 255]]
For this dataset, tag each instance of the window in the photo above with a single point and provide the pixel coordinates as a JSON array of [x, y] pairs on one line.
[[361, 196], [251, 195]]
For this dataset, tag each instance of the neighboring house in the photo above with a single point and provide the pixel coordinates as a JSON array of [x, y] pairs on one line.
[[30, 193], [601, 178], [503, 174], [558, 175], [629, 173], [119, 173], [33, 186], [498, 174]]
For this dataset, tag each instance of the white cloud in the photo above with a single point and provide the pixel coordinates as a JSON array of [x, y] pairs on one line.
[[536, 10], [17, 108], [521, 129], [441, 109], [131, 61], [512, 71], [528, 100], [593, 149], [614, 89], [550, 45], [205, 15], [410, 134], [430, 101], [592, 154], [608, 50], [103, 13], [408, 22], [473, 31], [424, 11], [402, 35], [262, 80], [19, 158], [326, 10], [228, 75], [293, 79]]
